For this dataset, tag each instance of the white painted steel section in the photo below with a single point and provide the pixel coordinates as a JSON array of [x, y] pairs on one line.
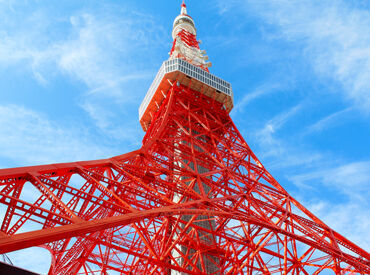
[[190, 70], [157, 80]]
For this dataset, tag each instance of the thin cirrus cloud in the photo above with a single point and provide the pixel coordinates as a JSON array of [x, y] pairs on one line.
[[329, 121], [28, 137], [348, 218], [351, 179], [278, 152], [261, 91], [333, 35], [277, 122], [328, 177], [101, 49], [90, 49], [95, 53]]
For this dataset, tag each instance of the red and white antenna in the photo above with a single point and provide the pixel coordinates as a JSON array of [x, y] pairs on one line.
[[183, 8], [185, 43]]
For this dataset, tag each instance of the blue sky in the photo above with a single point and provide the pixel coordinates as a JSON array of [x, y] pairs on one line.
[[73, 74]]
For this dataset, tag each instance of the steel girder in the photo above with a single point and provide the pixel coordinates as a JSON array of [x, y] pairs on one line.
[[135, 213]]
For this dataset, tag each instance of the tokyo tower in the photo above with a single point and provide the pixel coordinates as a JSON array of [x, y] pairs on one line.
[[194, 199]]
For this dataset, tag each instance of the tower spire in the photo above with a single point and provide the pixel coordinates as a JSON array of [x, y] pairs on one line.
[[185, 43], [183, 8]]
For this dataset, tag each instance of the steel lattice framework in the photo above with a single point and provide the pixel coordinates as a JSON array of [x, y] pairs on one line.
[[194, 199], [135, 213]]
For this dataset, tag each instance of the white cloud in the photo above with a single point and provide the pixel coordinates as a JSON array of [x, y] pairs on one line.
[[225, 6], [349, 219], [106, 54], [277, 152], [329, 121], [110, 123], [91, 48], [276, 123], [334, 36], [94, 53], [351, 179], [28, 138], [260, 91], [104, 50]]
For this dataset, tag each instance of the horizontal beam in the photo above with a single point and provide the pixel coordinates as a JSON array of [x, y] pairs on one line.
[[42, 169], [39, 237]]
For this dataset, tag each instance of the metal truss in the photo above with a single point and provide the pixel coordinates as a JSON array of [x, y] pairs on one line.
[[154, 211]]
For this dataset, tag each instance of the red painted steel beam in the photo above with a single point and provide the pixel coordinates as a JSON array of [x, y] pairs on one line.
[[44, 169], [267, 221], [34, 238], [39, 237]]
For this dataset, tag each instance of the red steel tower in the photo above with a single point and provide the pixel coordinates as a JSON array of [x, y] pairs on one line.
[[194, 199]]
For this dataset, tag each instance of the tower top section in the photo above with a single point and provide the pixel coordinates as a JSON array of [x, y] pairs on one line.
[[187, 67], [185, 44], [183, 7], [183, 22]]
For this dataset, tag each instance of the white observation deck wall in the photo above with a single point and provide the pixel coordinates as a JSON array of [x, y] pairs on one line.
[[182, 71]]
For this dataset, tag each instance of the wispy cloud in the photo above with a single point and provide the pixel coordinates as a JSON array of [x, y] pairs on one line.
[[278, 152], [225, 6], [107, 121], [329, 121], [348, 215], [350, 219], [334, 36], [96, 49], [91, 50], [260, 91], [94, 56], [28, 138], [351, 179], [328, 177], [102, 49], [274, 124]]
